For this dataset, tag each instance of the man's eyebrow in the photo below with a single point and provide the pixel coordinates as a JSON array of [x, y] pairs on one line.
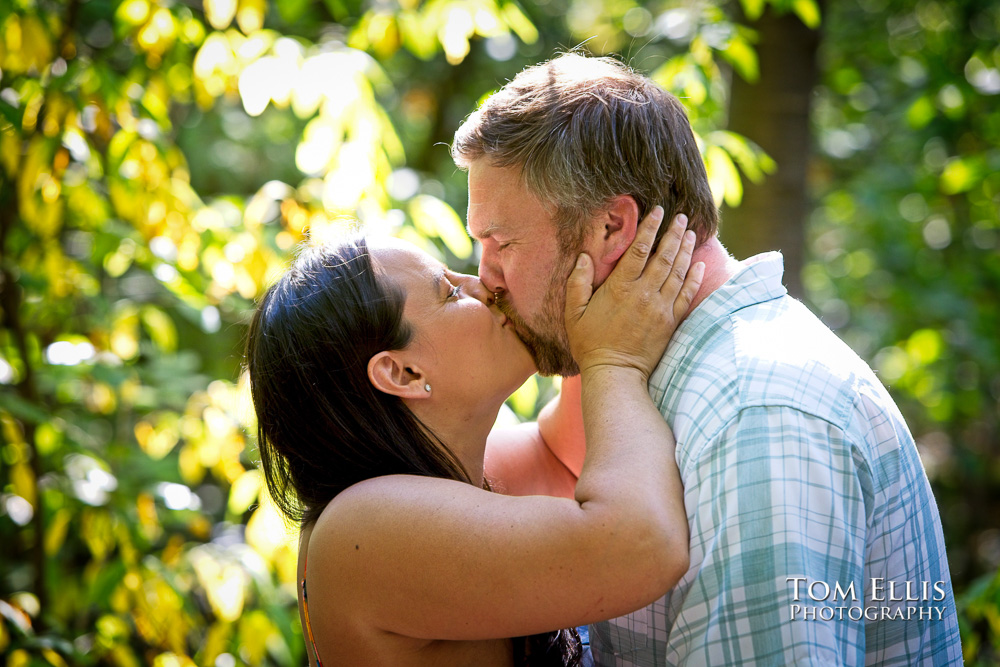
[[486, 233]]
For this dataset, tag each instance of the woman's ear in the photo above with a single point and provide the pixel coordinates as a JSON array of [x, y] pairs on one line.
[[389, 374]]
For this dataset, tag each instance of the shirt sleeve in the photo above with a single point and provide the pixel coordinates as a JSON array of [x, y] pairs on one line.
[[778, 511]]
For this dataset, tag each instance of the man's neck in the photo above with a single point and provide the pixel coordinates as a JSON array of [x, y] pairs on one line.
[[720, 266]]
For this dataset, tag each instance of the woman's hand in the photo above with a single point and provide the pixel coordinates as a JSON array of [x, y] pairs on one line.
[[628, 321]]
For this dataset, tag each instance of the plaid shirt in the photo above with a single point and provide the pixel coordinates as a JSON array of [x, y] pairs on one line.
[[809, 510]]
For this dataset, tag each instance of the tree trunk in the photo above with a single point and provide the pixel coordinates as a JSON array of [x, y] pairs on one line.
[[774, 113]]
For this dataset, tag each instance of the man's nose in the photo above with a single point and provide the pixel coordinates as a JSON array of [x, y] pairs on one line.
[[490, 273]]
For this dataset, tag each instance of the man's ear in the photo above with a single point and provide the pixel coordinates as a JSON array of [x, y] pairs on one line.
[[389, 374], [619, 221]]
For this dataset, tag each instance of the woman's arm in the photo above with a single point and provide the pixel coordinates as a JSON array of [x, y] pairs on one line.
[[543, 457], [439, 559]]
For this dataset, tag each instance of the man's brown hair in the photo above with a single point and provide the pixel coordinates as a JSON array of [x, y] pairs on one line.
[[584, 130]]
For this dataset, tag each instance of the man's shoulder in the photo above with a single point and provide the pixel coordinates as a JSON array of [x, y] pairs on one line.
[[770, 354]]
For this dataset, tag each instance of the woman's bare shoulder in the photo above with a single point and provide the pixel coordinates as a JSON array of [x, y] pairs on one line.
[[364, 506]]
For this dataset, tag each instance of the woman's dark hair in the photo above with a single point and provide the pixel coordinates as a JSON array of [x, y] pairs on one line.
[[321, 424]]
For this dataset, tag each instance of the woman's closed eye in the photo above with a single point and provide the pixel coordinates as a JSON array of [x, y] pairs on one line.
[[456, 291]]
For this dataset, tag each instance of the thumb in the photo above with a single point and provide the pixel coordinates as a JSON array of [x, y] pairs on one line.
[[579, 288]]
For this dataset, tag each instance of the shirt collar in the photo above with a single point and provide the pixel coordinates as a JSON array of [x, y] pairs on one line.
[[757, 280]]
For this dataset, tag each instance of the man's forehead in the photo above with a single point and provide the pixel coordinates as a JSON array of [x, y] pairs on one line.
[[500, 202]]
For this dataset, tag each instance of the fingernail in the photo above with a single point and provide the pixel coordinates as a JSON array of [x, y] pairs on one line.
[[681, 220], [581, 261], [657, 212]]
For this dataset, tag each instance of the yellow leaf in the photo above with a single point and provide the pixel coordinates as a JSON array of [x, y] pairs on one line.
[[125, 333], [808, 11], [523, 400], [519, 23], [97, 532], [53, 658], [255, 628], [172, 660], [266, 531], [55, 533], [223, 582], [160, 327], [23, 479], [19, 658], [753, 9], [723, 177], [958, 176], [37, 50], [743, 57], [250, 15], [216, 640], [244, 491], [133, 12], [925, 346], [434, 217], [220, 13]]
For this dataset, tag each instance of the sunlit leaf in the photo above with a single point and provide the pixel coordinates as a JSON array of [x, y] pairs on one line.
[[753, 8], [523, 400], [959, 175], [519, 23], [436, 218], [160, 328], [808, 11], [291, 10], [224, 583], [55, 533], [925, 346], [254, 630], [921, 112], [220, 13], [723, 177], [742, 56], [244, 491], [22, 479]]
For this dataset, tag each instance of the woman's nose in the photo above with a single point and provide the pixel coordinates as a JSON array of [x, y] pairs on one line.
[[475, 287]]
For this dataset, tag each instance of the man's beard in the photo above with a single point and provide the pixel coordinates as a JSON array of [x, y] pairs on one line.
[[546, 340]]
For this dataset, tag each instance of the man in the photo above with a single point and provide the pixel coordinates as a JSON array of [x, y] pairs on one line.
[[815, 538]]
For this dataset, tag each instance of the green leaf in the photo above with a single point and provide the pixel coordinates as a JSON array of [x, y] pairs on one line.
[[11, 113], [292, 10], [921, 112], [959, 175], [753, 9], [743, 57], [808, 11]]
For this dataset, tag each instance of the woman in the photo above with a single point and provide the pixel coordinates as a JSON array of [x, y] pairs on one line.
[[377, 375]]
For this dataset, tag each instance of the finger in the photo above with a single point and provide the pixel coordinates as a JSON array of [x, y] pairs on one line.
[[688, 291], [632, 262], [678, 269], [663, 260], [579, 288]]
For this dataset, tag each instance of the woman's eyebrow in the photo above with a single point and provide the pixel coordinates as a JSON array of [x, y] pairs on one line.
[[437, 279]]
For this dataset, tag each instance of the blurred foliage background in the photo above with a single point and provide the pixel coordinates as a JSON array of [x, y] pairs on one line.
[[160, 160]]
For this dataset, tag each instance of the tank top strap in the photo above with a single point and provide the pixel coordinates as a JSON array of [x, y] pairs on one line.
[[305, 612]]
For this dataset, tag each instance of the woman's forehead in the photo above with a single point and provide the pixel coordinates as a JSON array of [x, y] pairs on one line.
[[395, 254]]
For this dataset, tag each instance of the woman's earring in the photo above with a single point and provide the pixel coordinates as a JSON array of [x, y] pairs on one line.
[[427, 388]]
